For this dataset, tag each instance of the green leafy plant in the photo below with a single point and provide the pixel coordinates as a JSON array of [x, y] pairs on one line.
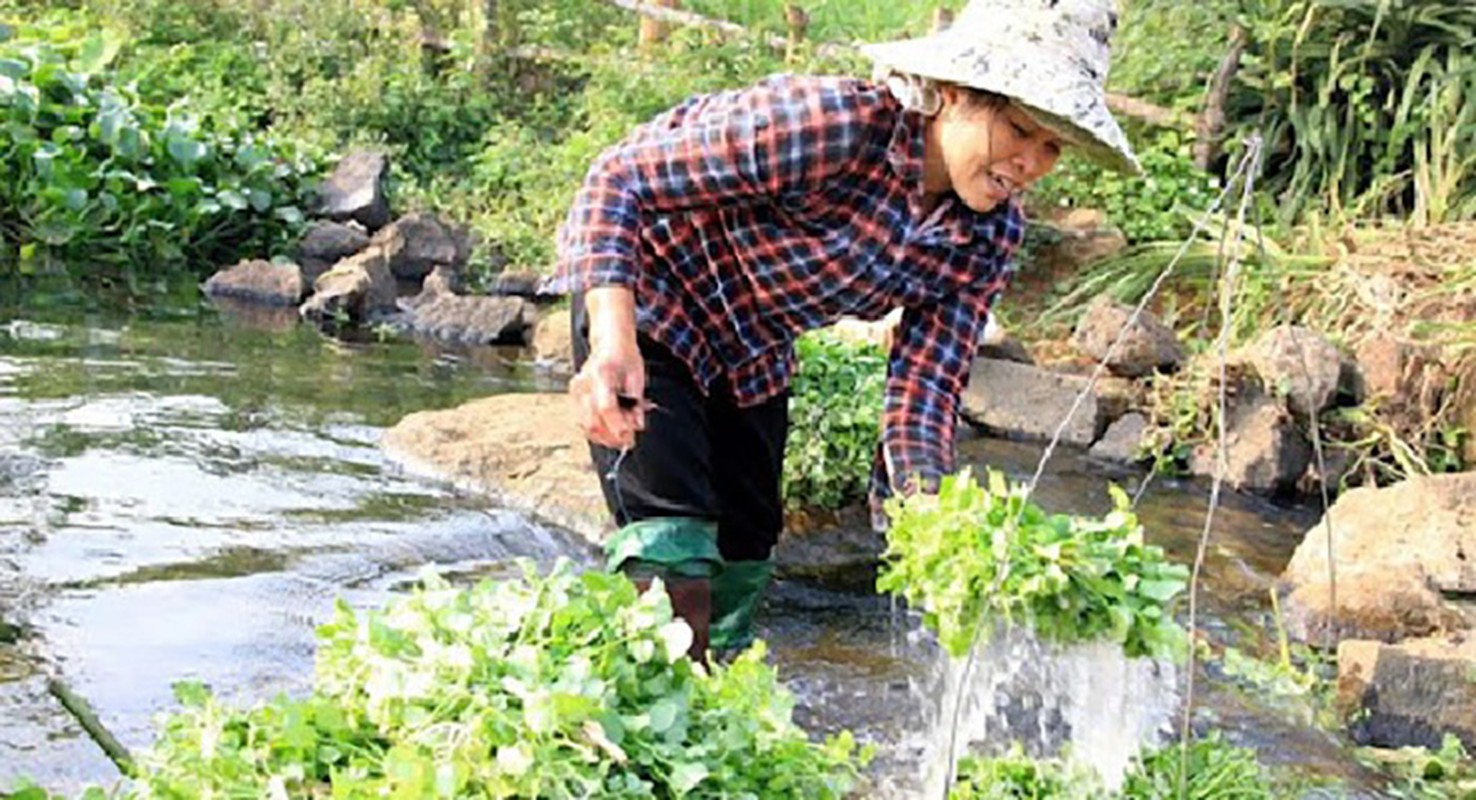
[[971, 556], [559, 686], [1015, 776], [90, 173], [1216, 770], [1159, 204], [835, 411], [1212, 769]]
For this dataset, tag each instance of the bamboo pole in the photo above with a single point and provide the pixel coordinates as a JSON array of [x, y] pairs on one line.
[[82, 711], [798, 21], [1141, 110], [654, 30], [1210, 126]]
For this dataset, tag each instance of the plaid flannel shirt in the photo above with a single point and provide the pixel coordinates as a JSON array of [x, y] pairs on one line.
[[741, 219]]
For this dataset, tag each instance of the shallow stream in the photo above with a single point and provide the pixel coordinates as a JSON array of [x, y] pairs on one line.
[[184, 491]]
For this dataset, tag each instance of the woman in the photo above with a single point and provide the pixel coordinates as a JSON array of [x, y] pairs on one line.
[[701, 246]]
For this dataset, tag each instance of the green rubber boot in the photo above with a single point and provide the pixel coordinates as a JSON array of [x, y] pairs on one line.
[[683, 553], [737, 591]]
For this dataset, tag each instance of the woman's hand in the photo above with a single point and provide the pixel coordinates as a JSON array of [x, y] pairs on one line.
[[609, 391]]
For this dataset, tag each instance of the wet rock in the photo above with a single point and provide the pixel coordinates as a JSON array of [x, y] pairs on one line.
[[524, 450], [357, 289], [1147, 346], [1409, 694], [1023, 401], [1123, 440], [418, 243], [553, 340], [258, 281], [517, 284], [1299, 364], [355, 190], [473, 320], [331, 242], [838, 548], [1266, 451], [1399, 549]]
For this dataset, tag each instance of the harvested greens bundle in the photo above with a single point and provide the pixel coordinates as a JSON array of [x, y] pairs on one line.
[[968, 556]]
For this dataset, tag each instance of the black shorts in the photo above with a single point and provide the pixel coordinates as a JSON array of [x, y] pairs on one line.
[[700, 456]]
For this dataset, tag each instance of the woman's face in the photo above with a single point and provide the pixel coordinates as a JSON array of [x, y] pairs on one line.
[[991, 152]]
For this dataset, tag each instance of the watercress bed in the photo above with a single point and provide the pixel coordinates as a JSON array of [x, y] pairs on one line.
[[971, 556], [565, 686]]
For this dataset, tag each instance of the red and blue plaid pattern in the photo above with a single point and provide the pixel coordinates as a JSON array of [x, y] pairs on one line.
[[743, 218]]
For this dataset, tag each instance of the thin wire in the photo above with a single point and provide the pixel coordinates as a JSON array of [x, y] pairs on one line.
[[1222, 460], [613, 476], [1332, 631], [1200, 225]]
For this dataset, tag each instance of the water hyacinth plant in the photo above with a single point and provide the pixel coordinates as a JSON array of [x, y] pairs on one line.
[[565, 686], [972, 556]]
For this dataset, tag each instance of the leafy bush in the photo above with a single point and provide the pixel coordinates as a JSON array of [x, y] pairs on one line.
[[1162, 203], [90, 173], [835, 411], [961, 559], [563, 686]]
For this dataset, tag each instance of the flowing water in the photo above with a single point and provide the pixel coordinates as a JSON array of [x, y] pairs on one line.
[[184, 491]]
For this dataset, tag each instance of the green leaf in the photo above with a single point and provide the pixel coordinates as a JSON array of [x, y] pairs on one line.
[[685, 777], [97, 53], [187, 151]]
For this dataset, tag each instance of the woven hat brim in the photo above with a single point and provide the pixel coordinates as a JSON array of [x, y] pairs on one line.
[[1091, 127]]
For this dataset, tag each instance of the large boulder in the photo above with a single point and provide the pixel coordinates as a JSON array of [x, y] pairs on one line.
[[1147, 345], [258, 281], [1409, 694], [418, 243], [1299, 364], [355, 190], [529, 285], [357, 289], [326, 243], [1398, 551], [1265, 450], [524, 450], [1078, 238], [1024, 401]]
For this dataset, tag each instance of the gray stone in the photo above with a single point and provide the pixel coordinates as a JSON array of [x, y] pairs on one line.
[[1147, 345], [331, 242], [473, 320], [355, 190], [418, 243], [1024, 401], [1299, 364], [357, 289], [1266, 451], [258, 281], [1123, 440], [1398, 550], [1409, 694], [517, 284]]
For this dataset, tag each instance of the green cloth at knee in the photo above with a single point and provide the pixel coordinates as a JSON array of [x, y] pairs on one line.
[[665, 547], [737, 591]]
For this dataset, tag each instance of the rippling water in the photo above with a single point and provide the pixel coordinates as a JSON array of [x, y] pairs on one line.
[[184, 491]]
